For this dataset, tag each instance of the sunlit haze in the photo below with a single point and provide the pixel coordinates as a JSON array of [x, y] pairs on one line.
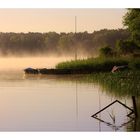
[[60, 20], [19, 63], [57, 20]]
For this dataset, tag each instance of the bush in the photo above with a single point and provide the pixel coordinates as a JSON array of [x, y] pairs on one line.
[[126, 47], [106, 52]]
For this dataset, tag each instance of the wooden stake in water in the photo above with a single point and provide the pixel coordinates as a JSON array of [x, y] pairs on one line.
[[135, 106]]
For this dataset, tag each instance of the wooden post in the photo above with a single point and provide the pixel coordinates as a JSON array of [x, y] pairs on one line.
[[134, 106]]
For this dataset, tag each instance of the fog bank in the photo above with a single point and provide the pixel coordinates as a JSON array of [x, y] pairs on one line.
[[20, 63]]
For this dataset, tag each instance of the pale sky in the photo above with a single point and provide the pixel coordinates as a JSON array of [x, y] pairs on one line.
[[60, 20]]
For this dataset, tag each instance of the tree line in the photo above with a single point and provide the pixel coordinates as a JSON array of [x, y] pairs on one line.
[[89, 44], [131, 45]]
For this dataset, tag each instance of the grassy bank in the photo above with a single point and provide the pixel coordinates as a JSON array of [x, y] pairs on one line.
[[98, 64], [120, 84]]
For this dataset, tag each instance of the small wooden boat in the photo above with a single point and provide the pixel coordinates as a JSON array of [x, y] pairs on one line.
[[31, 71]]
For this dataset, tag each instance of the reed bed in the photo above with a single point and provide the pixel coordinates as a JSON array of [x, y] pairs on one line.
[[121, 83], [98, 64]]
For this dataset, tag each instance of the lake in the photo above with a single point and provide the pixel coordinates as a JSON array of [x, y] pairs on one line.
[[56, 103]]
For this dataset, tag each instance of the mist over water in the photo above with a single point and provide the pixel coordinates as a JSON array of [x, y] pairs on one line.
[[50, 102], [20, 63]]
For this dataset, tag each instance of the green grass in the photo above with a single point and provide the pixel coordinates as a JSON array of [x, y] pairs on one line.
[[98, 64], [120, 83]]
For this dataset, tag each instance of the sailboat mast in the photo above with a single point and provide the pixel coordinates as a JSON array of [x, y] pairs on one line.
[[75, 24], [75, 36]]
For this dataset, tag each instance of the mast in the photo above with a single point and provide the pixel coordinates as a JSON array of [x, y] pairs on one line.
[[75, 35], [75, 24]]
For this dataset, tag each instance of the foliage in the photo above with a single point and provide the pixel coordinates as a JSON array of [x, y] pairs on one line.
[[132, 21], [106, 52], [60, 44], [126, 47]]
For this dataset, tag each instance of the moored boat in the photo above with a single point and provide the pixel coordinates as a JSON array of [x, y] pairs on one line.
[[31, 71]]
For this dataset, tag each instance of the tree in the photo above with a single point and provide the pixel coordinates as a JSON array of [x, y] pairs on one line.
[[83, 43], [51, 41], [106, 51], [132, 21], [126, 47], [66, 43]]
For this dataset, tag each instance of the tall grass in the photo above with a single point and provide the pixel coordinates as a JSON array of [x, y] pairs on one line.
[[122, 83], [93, 64]]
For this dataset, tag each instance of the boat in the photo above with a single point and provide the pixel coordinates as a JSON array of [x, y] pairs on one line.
[[31, 71]]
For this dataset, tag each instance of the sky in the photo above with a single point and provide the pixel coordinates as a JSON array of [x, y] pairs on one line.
[[60, 19], [69, 4]]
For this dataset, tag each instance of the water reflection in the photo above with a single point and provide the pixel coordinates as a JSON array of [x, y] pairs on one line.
[[113, 125], [76, 99], [122, 85], [55, 103], [112, 115]]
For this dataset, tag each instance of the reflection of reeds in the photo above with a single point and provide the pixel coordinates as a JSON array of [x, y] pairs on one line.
[[112, 116], [118, 84], [121, 84]]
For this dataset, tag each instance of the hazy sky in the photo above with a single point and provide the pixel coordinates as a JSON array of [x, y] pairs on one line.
[[59, 20]]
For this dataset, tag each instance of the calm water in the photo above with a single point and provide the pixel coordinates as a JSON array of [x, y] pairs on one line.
[[56, 103]]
